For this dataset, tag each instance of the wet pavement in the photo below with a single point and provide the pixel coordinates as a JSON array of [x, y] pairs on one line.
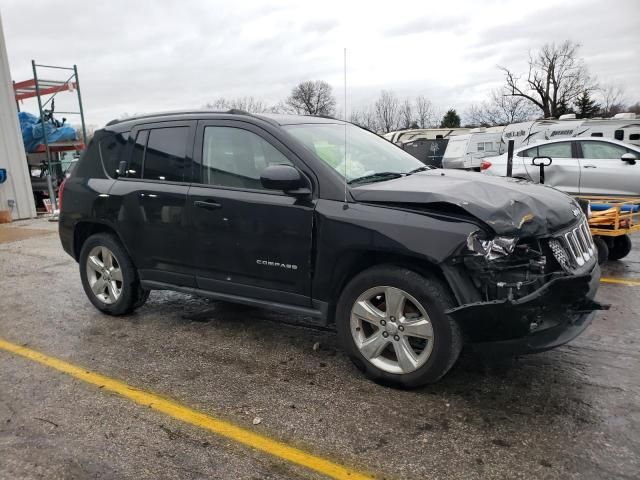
[[569, 413]]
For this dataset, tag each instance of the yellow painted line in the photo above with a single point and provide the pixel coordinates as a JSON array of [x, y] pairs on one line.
[[193, 417], [621, 281]]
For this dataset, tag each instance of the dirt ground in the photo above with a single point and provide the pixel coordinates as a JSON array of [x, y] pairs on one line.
[[569, 413]]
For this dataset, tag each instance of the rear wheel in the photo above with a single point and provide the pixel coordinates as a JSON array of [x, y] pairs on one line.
[[619, 247], [108, 275], [392, 324]]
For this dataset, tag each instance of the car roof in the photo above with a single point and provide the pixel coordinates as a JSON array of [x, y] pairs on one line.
[[276, 119], [537, 143]]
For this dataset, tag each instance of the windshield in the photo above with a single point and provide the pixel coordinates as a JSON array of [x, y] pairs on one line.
[[368, 155]]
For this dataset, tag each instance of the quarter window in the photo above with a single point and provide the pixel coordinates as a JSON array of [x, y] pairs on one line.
[[601, 150], [233, 157], [531, 152], [134, 169], [112, 148]]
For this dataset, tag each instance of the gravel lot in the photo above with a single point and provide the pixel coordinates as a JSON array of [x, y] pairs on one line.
[[570, 413]]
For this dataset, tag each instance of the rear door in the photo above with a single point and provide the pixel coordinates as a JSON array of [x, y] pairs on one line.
[[247, 240], [564, 171], [604, 172], [151, 199]]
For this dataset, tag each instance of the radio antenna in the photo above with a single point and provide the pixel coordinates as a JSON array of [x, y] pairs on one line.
[[346, 204]]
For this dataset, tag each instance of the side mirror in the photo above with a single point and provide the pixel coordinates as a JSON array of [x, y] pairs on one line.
[[285, 178], [630, 158]]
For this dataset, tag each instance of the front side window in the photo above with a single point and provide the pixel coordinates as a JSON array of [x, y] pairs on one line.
[[233, 157], [555, 150], [366, 154], [166, 155], [601, 150]]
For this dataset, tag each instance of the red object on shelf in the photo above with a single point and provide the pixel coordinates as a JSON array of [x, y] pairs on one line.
[[60, 147], [27, 88]]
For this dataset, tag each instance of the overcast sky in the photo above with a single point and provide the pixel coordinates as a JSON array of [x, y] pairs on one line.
[[141, 56]]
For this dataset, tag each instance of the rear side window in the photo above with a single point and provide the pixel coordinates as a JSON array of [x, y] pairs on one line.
[[165, 156], [555, 150], [112, 148]]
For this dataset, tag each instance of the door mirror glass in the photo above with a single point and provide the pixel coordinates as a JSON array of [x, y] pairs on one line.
[[281, 177], [629, 158]]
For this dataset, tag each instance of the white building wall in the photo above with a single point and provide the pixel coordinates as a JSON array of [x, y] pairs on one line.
[[12, 156]]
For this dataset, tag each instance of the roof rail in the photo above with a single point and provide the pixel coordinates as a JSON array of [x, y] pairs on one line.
[[233, 111]]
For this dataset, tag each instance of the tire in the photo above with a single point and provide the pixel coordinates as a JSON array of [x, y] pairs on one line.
[[97, 275], [620, 247], [432, 357], [603, 249], [142, 297]]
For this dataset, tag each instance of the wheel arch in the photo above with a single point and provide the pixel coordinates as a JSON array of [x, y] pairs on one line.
[[85, 229], [354, 262]]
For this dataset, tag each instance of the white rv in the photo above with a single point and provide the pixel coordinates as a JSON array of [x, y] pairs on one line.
[[467, 151], [400, 137], [624, 127]]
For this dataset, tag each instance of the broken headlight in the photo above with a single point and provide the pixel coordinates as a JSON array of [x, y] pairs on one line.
[[491, 249]]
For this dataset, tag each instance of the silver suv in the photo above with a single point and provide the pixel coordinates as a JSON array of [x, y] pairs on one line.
[[579, 166]]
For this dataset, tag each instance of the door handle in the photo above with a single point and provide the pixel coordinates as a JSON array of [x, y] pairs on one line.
[[589, 166], [209, 205]]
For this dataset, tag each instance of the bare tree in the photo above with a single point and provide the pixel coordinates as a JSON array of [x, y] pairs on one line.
[[248, 104], [407, 119], [424, 112], [313, 97], [612, 99], [501, 109], [387, 109], [635, 108], [557, 76], [365, 118]]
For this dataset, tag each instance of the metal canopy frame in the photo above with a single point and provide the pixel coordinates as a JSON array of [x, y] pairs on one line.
[[41, 88]]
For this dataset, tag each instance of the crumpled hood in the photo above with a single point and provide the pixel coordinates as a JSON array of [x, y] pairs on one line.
[[510, 206]]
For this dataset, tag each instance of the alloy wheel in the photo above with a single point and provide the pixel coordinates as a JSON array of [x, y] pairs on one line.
[[104, 274], [391, 329]]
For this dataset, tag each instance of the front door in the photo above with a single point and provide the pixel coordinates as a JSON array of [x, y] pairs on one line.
[[149, 201], [247, 240], [604, 172]]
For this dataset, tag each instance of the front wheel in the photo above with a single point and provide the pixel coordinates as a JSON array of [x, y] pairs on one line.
[[392, 324]]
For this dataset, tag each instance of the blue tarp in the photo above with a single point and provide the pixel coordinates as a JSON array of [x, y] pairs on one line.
[[33, 136]]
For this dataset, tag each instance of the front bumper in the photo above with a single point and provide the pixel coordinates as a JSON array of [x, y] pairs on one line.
[[553, 315]]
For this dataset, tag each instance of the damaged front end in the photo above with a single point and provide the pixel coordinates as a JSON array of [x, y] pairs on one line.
[[534, 293]]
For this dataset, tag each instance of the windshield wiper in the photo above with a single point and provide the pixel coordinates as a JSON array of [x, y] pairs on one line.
[[420, 169], [375, 177]]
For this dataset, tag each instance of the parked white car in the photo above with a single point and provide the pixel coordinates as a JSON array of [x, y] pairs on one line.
[[579, 166]]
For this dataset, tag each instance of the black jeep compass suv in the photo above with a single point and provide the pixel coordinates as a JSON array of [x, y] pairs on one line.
[[318, 217]]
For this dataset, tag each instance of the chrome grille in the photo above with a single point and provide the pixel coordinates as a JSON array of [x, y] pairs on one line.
[[577, 246]]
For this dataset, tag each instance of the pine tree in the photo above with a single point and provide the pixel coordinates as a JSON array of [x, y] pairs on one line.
[[450, 120], [585, 106]]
